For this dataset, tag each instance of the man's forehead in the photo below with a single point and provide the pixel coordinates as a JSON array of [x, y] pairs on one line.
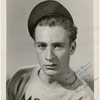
[[47, 28], [53, 34]]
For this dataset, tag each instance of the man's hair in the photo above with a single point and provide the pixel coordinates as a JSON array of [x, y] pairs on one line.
[[55, 20]]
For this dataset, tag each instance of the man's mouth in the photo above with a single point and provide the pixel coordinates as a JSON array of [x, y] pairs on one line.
[[50, 66]]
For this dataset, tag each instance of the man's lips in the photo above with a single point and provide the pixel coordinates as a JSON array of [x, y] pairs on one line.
[[50, 64]]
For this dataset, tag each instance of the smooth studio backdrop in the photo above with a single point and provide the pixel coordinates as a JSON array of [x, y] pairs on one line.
[[20, 48]]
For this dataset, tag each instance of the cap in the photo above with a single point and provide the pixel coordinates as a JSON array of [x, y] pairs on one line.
[[46, 8]]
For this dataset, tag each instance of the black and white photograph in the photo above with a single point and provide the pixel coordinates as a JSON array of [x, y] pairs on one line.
[[50, 50]]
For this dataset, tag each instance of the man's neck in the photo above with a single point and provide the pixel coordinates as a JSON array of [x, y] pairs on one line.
[[66, 78]]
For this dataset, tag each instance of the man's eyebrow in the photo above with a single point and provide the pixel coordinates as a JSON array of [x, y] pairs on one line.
[[61, 43], [40, 43], [56, 43]]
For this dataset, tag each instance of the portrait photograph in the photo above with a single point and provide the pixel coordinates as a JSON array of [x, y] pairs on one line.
[[51, 50]]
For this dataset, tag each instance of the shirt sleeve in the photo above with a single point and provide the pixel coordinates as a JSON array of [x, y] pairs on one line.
[[9, 90], [85, 94], [16, 84]]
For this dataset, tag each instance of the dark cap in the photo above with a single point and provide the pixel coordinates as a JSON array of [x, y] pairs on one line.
[[46, 8]]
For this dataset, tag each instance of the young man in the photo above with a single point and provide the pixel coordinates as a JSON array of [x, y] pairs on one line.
[[52, 28]]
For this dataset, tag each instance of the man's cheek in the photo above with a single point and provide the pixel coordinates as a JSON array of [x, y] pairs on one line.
[[40, 58]]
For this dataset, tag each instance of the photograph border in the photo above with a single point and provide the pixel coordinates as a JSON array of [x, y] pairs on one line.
[[3, 49]]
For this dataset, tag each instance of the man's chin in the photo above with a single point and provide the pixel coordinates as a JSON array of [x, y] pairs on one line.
[[50, 72]]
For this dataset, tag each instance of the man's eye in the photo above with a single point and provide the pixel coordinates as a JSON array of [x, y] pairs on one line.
[[42, 47], [58, 47]]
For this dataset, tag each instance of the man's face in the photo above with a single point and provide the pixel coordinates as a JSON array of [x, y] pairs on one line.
[[52, 49]]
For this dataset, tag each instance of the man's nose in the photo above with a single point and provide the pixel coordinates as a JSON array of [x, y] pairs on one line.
[[49, 54]]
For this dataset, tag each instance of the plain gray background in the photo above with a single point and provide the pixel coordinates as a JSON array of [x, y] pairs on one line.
[[20, 48]]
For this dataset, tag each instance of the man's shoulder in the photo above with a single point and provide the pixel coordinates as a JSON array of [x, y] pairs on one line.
[[19, 79], [83, 90], [23, 71]]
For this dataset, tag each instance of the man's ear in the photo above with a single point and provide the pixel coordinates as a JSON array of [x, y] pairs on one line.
[[72, 47]]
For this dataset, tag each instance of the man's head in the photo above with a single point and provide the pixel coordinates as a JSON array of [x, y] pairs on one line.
[[51, 12], [55, 20], [54, 34]]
